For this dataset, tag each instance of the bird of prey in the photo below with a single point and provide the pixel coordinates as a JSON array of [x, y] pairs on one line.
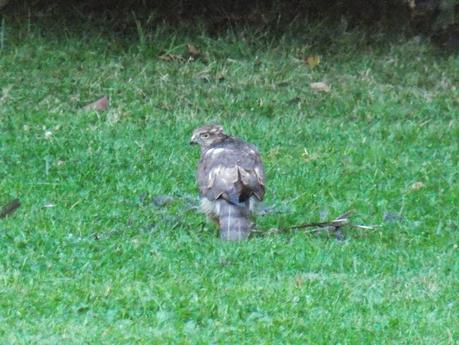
[[231, 180]]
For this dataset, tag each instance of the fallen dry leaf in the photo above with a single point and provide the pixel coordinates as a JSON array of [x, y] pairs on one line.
[[193, 51], [100, 104], [320, 86], [307, 156], [9, 208], [312, 60], [416, 186], [48, 135]]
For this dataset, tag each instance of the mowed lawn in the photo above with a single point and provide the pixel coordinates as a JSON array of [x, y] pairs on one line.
[[91, 258]]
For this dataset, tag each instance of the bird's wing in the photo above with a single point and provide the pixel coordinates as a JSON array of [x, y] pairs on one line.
[[232, 171]]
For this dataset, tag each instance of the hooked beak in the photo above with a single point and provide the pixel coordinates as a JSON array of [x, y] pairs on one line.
[[193, 140]]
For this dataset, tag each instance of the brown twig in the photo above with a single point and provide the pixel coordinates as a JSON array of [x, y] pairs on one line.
[[336, 226], [10, 208], [338, 222]]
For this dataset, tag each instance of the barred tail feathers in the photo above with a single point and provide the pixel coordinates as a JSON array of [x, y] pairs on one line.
[[234, 221]]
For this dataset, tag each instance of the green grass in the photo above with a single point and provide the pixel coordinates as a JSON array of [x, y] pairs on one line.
[[102, 267]]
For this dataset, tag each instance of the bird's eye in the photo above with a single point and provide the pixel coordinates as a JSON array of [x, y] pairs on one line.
[[204, 135]]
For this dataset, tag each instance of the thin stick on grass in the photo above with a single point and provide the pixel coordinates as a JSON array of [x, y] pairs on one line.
[[336, 226]]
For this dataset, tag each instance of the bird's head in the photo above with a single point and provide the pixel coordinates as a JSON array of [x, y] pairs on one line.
[[207, 135]]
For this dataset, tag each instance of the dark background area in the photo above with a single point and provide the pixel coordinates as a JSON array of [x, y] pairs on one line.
[[436, 19]]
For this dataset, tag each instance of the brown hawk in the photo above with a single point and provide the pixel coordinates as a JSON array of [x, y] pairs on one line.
[[231, 180]]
